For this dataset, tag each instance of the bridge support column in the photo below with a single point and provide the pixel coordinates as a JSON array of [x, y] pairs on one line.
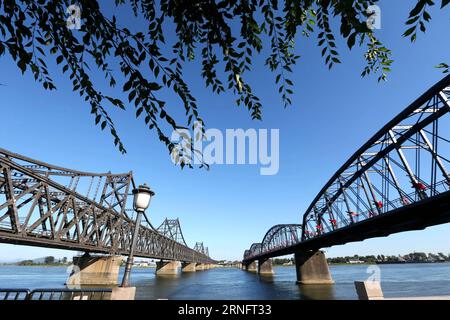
[[200, 267], [188, 267], [312, 268], [167, 267], [251, 267], [265, 267], [94, 270]]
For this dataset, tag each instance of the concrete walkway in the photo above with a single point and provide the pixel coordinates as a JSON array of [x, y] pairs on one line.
[[371, 290]]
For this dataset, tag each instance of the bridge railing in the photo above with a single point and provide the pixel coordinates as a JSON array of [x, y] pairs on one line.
[[14, 294], [55, 294]]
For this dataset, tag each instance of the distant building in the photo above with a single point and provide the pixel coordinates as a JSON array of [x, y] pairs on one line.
[[144, 264], [352, 261]]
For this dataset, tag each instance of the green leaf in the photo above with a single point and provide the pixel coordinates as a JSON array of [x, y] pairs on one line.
[[78, 49], [154, 86], [127, 85], [131, 95], [22, 65], [444, 66], [409, 31], [351, 40], [418, 8]]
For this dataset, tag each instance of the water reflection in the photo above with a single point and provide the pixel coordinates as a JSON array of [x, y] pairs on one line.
[[396, 280], [317, 292]]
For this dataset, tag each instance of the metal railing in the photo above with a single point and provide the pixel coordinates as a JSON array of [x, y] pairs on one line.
[[390, 205], [55, 294], [14, 294]]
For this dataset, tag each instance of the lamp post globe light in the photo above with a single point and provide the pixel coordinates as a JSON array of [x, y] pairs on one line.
[[141, 201], [142, 198]]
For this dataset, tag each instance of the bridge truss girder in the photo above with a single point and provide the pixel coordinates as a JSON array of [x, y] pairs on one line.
[[402, 164], [46, 205], [171, 228]]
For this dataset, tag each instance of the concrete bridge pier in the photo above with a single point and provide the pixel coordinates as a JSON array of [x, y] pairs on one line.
[[265, 267], [188, 267], [251, 267], [200, 267], [312, 268], [94, 270], [167, 267]]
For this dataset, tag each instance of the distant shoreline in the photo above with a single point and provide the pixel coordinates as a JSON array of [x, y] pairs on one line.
[[397, 262], [370, 263], [58, 265], [283, 265]]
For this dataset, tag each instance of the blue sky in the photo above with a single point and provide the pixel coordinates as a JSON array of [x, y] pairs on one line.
[[230, 207]]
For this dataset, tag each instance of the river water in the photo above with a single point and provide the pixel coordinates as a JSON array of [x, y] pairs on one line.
[[401, 280]]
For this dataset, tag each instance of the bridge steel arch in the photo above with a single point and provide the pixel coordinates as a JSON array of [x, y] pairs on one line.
[[277, 237], [385, 186], [255, 250], [403, 163], [281, 236], [46, 205]]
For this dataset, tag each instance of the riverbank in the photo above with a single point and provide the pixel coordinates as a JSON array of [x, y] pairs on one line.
[[35, 265], [383, 263]]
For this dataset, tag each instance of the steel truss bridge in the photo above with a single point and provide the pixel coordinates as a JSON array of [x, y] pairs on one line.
[[49, 206], [397, 181]]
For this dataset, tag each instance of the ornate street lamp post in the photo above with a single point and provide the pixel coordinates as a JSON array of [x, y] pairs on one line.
[[141, 201]]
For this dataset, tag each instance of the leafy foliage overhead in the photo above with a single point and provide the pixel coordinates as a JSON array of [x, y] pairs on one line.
[[33, 32]]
